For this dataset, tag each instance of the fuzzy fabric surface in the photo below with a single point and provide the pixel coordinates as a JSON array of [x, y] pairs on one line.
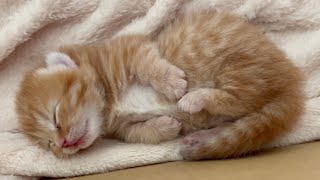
[[29, 29]]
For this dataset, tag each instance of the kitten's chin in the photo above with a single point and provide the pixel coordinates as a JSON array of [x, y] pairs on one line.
[[85, 143], [70, 151]]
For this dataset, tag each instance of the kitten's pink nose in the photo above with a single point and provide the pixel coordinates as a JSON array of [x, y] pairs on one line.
[[68, 144], [62, 142], [75, 142], [65, 144]]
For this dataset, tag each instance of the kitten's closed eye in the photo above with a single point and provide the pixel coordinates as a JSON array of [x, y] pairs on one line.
[[55, 120]]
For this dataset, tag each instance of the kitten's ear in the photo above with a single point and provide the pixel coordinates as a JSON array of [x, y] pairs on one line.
[[54, 59]]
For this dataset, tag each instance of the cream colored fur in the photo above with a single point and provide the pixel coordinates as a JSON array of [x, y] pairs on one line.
[[31, 28]]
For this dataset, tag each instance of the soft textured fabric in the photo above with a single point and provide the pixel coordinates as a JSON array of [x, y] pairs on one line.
[[277, 164], [31, 28]]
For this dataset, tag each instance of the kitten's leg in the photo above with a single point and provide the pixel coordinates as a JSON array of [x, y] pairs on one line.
[[168, 79], [164, 77], [152, 131], [201, 135], [215, 101]]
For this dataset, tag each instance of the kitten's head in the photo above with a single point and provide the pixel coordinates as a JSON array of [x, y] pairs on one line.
[[59, 107]]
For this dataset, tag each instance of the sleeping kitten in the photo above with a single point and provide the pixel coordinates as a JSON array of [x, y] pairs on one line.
[[242, 91]]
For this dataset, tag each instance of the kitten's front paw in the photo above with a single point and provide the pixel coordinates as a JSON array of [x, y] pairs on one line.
[[192, 102], [167, 127], [165, 123], [171, 82]]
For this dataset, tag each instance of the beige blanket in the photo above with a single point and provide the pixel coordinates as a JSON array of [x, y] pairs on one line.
[[31, 28]]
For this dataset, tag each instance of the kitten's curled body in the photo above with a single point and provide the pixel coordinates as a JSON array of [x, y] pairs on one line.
[[233, 73]]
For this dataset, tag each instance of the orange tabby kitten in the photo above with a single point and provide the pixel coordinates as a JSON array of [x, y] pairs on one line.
[[242, 91]]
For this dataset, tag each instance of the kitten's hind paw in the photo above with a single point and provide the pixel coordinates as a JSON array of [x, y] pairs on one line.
[[191, 147], [194, 146], [201, 144]]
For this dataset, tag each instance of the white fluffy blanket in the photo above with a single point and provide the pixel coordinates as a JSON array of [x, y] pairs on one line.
[[30, 28]]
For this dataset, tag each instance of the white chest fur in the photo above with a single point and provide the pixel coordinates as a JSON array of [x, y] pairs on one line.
[[140, 99]]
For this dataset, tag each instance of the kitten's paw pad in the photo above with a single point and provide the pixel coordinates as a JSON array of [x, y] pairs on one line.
[[191, 146], [171, 82], [197, 138], [194, 145], [190, 141], [192, 102]]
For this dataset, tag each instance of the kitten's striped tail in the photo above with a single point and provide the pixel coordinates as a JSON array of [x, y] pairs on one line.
[[248, 134]]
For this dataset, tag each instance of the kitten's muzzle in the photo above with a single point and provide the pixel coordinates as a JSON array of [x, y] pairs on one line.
[[75, 138], [74, 143]]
